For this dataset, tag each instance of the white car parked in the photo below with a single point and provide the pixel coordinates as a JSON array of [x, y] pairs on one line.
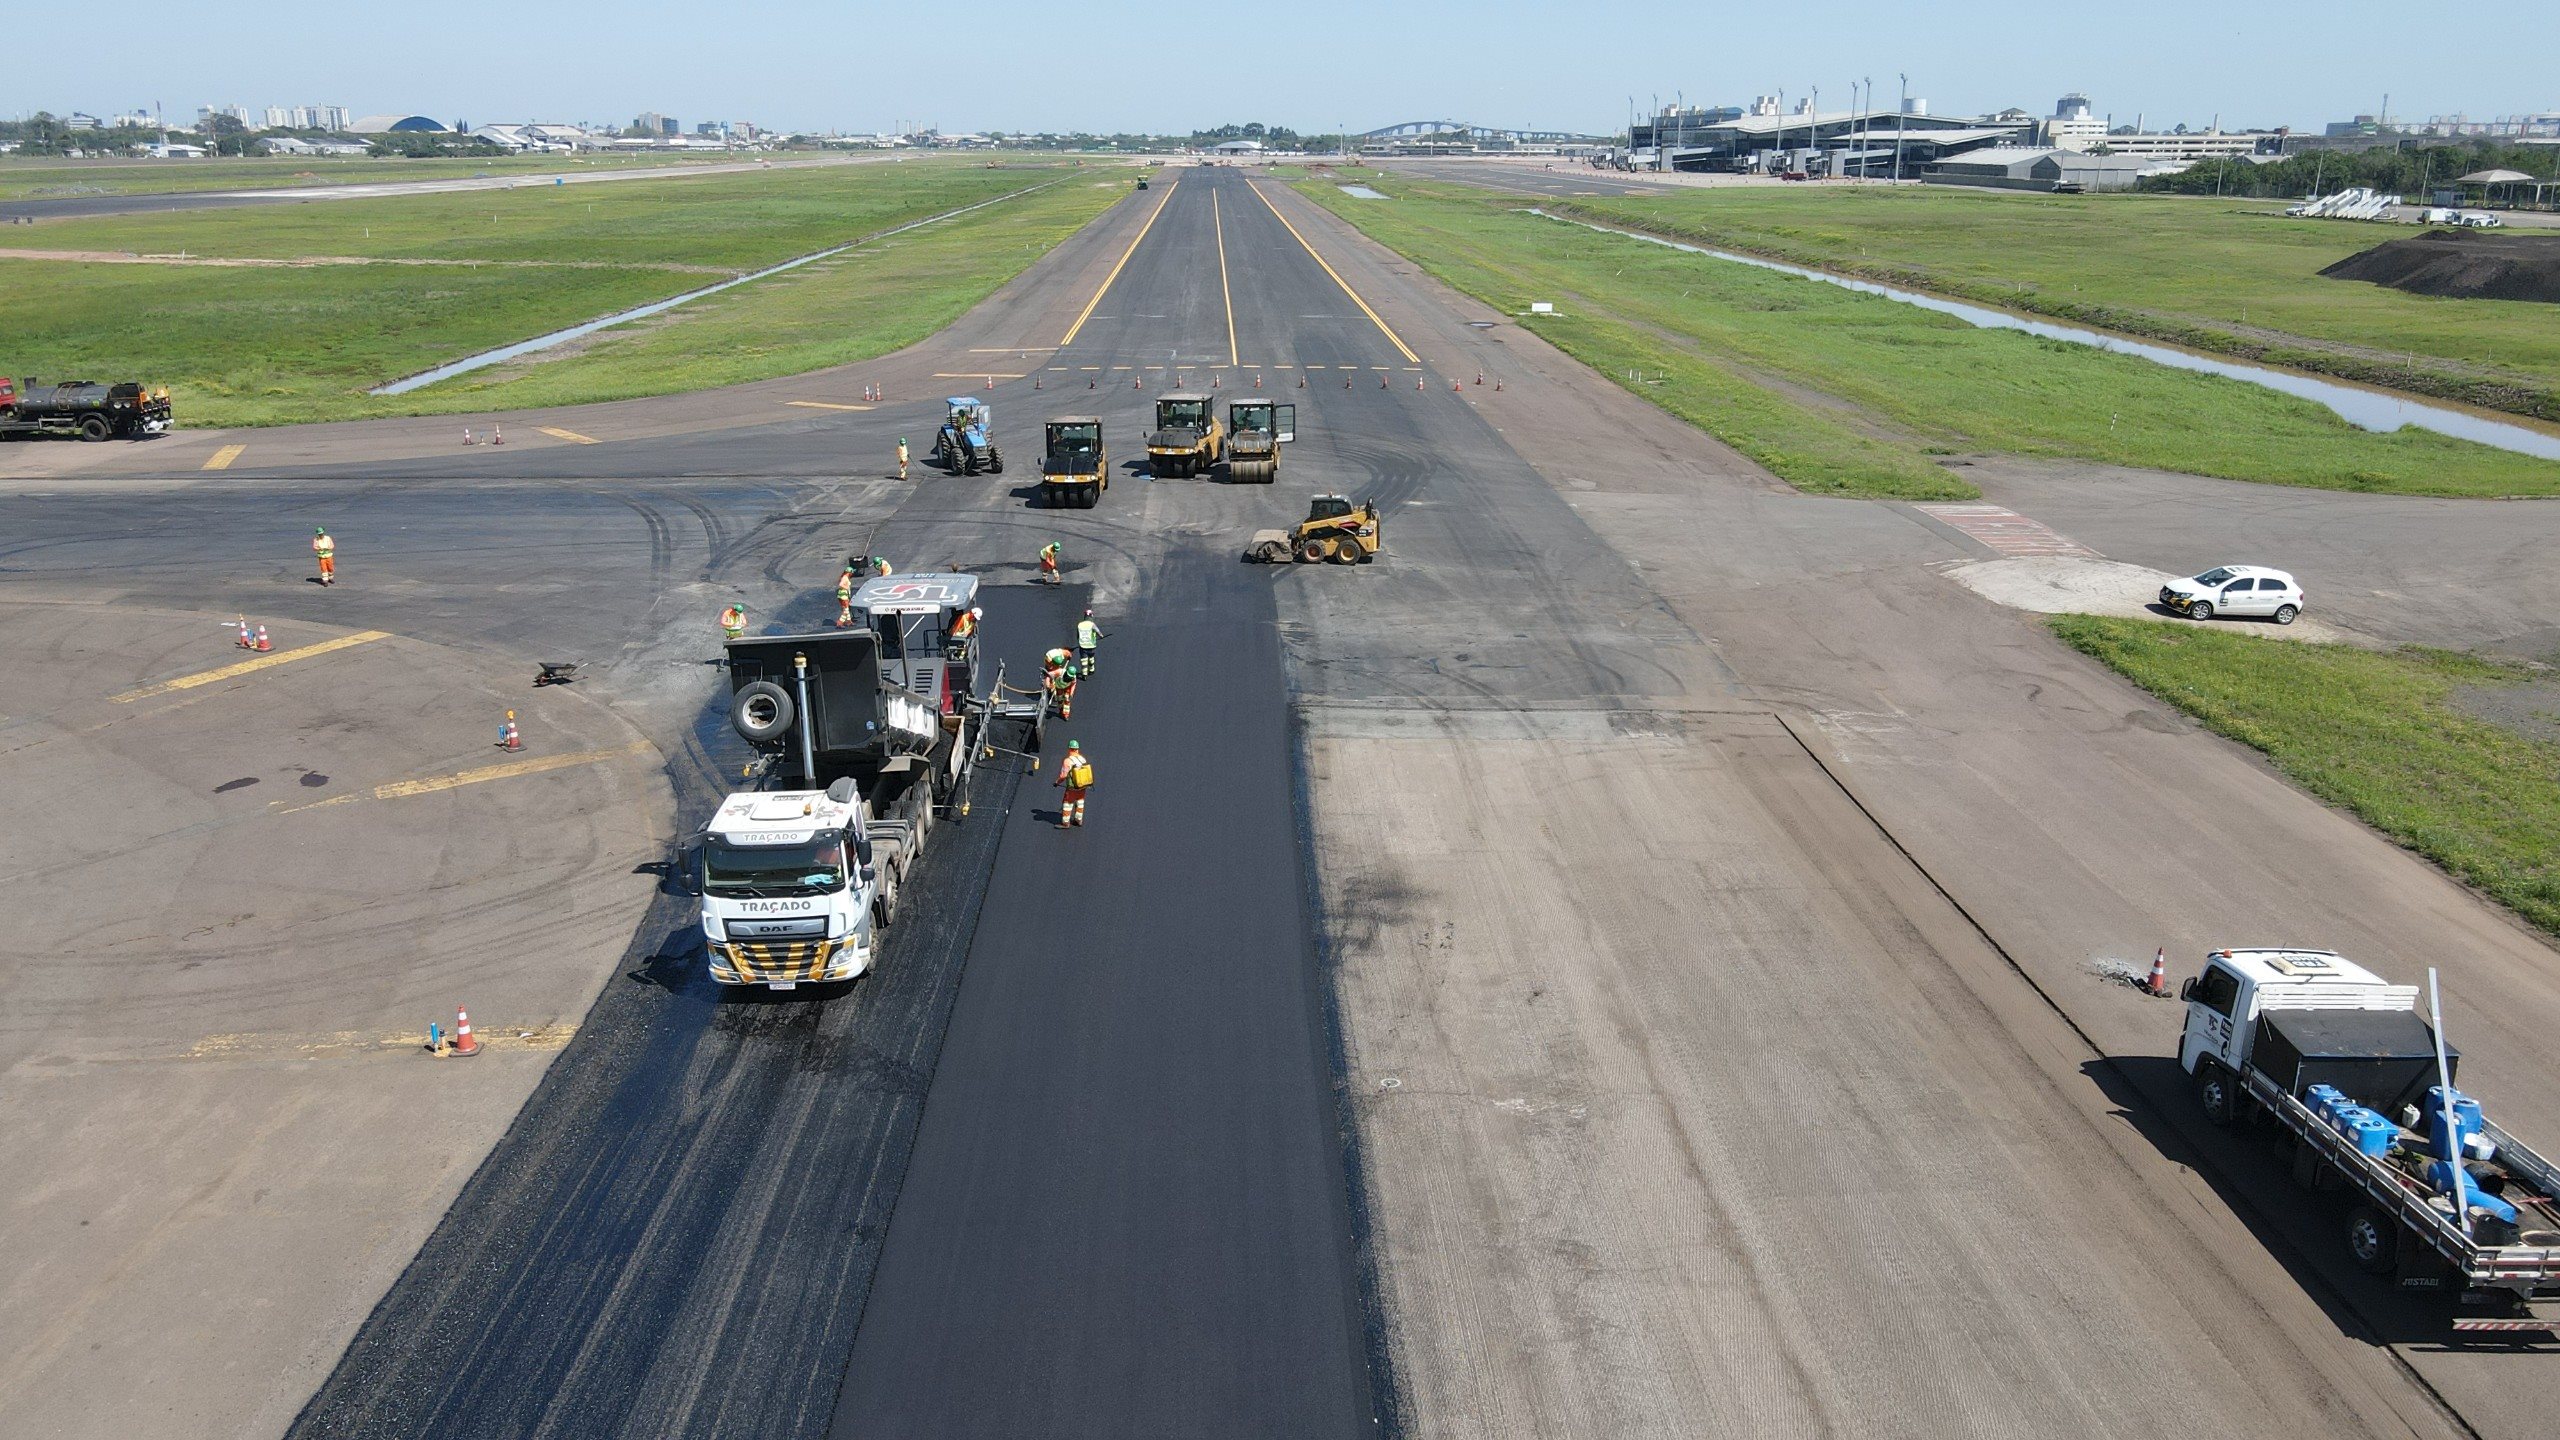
[[2235, 590]]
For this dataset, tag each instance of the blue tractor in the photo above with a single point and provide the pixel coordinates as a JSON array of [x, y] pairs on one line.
[[964, 446]]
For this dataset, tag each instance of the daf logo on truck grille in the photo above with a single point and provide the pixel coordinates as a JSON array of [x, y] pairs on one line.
[[769, 929]]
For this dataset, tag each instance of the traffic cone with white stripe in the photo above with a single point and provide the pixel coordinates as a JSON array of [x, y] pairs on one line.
[[248, 640], [508, 735], [263, 642], [465, 1044], [2158, 984]]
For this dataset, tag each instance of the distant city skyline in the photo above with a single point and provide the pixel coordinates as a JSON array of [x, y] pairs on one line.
[[1327, 66]]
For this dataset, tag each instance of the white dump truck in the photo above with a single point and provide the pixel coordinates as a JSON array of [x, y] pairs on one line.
[[867, 737], [2340, 1064]]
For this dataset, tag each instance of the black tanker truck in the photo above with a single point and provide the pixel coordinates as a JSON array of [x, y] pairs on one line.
[[85, 408]]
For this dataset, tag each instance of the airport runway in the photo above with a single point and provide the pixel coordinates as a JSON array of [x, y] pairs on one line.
[[79, 207], [1620, 964]]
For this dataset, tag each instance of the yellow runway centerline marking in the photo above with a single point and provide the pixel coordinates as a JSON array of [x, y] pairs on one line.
[[221, 459], [1087, 313], [245, 667], [1217, 217], [572, 436], [823, 405], [1383, 328]]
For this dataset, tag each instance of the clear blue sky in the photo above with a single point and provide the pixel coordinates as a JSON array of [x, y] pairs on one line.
[[1062, 66]]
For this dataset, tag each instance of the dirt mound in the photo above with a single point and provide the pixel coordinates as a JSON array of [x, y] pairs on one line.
[[2462, 264]]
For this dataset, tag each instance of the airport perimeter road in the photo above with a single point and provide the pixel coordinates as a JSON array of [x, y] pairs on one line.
[[1623, 963]]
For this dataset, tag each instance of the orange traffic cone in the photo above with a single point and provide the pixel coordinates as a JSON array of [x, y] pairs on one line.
[[263, 643], [1035, 383], [248, 638], [2158, 984], [1257, 379], [1479, 377], [465, 1044], [1454, 387], [467, 437], [508, 735], [497, 435]]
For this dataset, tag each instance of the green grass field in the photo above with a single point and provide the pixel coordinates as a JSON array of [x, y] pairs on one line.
[[2377, 734], [2232, 277], [272, 345], [1842, 393], [39, 177]]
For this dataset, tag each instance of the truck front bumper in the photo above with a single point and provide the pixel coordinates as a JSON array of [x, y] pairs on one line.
[[785, 963]]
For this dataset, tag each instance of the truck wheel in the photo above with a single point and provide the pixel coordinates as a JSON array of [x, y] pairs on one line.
[[884, 901], [995, 461], [2214, 1092], [2373, 1241], [95, 427], [761, 712]]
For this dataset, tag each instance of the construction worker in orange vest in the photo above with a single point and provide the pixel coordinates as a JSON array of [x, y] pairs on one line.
[[325, 549], [1061, 673], [880, 566], [1075, 776], [733, 622], [1049, 563], [965, 624], [902, 457], [844, 598]]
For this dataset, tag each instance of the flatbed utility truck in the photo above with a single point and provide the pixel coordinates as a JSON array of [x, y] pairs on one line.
[[84, 408], [2359, 1085], [866, 738]]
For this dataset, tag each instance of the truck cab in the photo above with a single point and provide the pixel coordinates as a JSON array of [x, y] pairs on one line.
[[2225, 1002], [787, 884], [1075, 465]]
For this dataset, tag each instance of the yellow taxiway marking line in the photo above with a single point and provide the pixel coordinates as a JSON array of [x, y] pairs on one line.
[[1383, 328], [572, 436], [504, 770], [1218, 218], [1087, 313], [228, 672], [508, 770], [823, 405], [221, 459]]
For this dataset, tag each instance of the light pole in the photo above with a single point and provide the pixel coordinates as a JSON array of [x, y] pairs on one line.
[[1782, 127], [1813, 129], [1901, 107]]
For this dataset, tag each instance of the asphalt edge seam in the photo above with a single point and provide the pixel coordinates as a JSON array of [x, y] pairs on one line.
[[1388, 1403]]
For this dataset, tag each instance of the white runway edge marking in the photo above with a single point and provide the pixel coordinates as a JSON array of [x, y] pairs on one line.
[[2007, 531]]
